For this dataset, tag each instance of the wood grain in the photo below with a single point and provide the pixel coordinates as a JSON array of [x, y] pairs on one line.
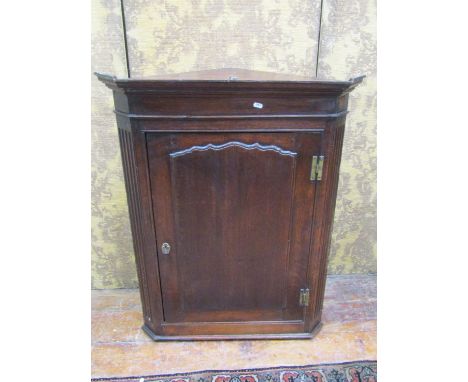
[[230, 192]]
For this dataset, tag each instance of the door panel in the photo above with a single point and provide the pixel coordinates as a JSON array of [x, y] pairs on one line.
[[236, 210]]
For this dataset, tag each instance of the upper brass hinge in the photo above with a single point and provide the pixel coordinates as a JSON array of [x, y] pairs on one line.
[[304, 297], [317, 167]]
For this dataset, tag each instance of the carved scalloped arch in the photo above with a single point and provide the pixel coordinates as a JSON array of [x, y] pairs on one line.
[[245, 146]]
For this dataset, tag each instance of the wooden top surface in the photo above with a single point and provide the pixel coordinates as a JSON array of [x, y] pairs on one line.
[[231, 74], [230, 77]]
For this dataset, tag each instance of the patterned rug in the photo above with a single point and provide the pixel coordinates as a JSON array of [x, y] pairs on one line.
[[358, 371]]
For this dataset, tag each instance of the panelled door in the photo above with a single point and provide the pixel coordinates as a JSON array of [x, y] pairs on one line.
[[233, 213]]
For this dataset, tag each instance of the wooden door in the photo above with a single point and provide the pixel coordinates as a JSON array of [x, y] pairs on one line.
[[236, 210]]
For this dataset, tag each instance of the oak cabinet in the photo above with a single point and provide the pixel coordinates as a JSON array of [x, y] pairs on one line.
[[231, 179]]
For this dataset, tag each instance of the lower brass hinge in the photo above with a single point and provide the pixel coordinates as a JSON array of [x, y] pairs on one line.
[[317, 167], [304, 297]]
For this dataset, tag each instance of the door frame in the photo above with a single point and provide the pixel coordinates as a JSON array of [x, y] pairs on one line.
[[154, 325], [288, 325]]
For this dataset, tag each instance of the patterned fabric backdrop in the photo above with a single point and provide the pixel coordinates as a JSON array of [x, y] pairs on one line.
[[289, 36]]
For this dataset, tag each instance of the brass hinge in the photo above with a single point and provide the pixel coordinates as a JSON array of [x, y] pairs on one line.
[[317, 167], [304, 297]]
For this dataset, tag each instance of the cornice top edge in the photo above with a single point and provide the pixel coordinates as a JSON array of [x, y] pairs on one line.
[[142, 85]]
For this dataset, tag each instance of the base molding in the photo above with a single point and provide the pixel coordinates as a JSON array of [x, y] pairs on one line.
[[215, 337]]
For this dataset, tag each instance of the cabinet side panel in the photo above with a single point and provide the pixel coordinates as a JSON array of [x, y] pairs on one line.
[[131, 185], [323, 219], [334, 175]]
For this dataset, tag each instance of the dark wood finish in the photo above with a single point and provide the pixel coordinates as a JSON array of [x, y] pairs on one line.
[[218, 165]]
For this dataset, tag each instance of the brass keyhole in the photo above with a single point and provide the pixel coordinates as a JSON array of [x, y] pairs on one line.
[[165, 248]]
